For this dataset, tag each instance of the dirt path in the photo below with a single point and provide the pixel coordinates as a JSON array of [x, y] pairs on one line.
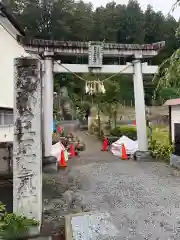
[[142, 198]]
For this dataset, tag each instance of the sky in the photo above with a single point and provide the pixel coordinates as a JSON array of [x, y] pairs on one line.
[[158, 5]]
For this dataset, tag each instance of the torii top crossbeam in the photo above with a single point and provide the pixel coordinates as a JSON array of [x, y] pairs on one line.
[[82, 48]]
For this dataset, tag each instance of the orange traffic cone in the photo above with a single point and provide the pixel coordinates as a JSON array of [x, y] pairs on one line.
[[124, 154], [72, 152], [105, 145], [62, 160]]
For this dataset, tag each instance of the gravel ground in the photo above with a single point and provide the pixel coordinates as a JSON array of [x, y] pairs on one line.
[[142, 198]]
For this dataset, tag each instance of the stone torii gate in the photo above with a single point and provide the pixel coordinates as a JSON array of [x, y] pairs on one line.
[[39, 75]]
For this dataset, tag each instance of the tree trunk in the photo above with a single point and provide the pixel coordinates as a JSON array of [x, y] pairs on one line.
[[99, 120], [115, 115], [109, 123]]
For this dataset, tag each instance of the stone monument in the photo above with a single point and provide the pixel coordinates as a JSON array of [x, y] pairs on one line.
[[65, 104], [27, 145]]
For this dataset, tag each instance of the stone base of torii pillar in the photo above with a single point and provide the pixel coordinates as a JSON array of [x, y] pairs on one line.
[[143, 156]]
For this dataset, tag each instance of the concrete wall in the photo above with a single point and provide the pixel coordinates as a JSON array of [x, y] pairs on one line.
[[175, 118], [9, 49]]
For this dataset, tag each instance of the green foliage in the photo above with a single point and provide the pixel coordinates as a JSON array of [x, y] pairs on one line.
[[72, 20], [108, 102], [81, 108], [160, 150], [127, 130], [2, 208], [168, 75], [113, 89], [83, 105], [159, 143], [12, 226]]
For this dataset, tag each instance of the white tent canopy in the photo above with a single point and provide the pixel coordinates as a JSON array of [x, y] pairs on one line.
[[130, 145]]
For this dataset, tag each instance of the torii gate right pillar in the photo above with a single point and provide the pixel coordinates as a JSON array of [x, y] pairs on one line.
[[140, 104]]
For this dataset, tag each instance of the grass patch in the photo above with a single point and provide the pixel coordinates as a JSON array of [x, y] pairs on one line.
[[161, 134]]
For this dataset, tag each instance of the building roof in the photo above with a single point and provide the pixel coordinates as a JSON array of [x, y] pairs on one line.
[[112, 46], [172, 102], [12, 20]]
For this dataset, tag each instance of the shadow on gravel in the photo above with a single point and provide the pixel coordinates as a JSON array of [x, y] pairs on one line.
[[59, 200]]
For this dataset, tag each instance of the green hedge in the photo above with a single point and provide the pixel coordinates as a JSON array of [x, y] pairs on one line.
[[127, 130]]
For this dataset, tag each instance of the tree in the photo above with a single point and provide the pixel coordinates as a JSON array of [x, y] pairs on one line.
[[168, 76], [153, 25], [107, 103], [98, 32], [77, 21], [82, 19], [134, 23]]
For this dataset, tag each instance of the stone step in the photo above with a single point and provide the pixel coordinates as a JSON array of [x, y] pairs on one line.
[[90, 225]]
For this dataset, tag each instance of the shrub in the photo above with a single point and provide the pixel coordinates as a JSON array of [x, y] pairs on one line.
[[127, 130], [160, 151], [12, 226], [81, 109], [94, 128]]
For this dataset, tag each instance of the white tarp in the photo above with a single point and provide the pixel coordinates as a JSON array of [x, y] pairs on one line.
[[56, 150], [130, 145]]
